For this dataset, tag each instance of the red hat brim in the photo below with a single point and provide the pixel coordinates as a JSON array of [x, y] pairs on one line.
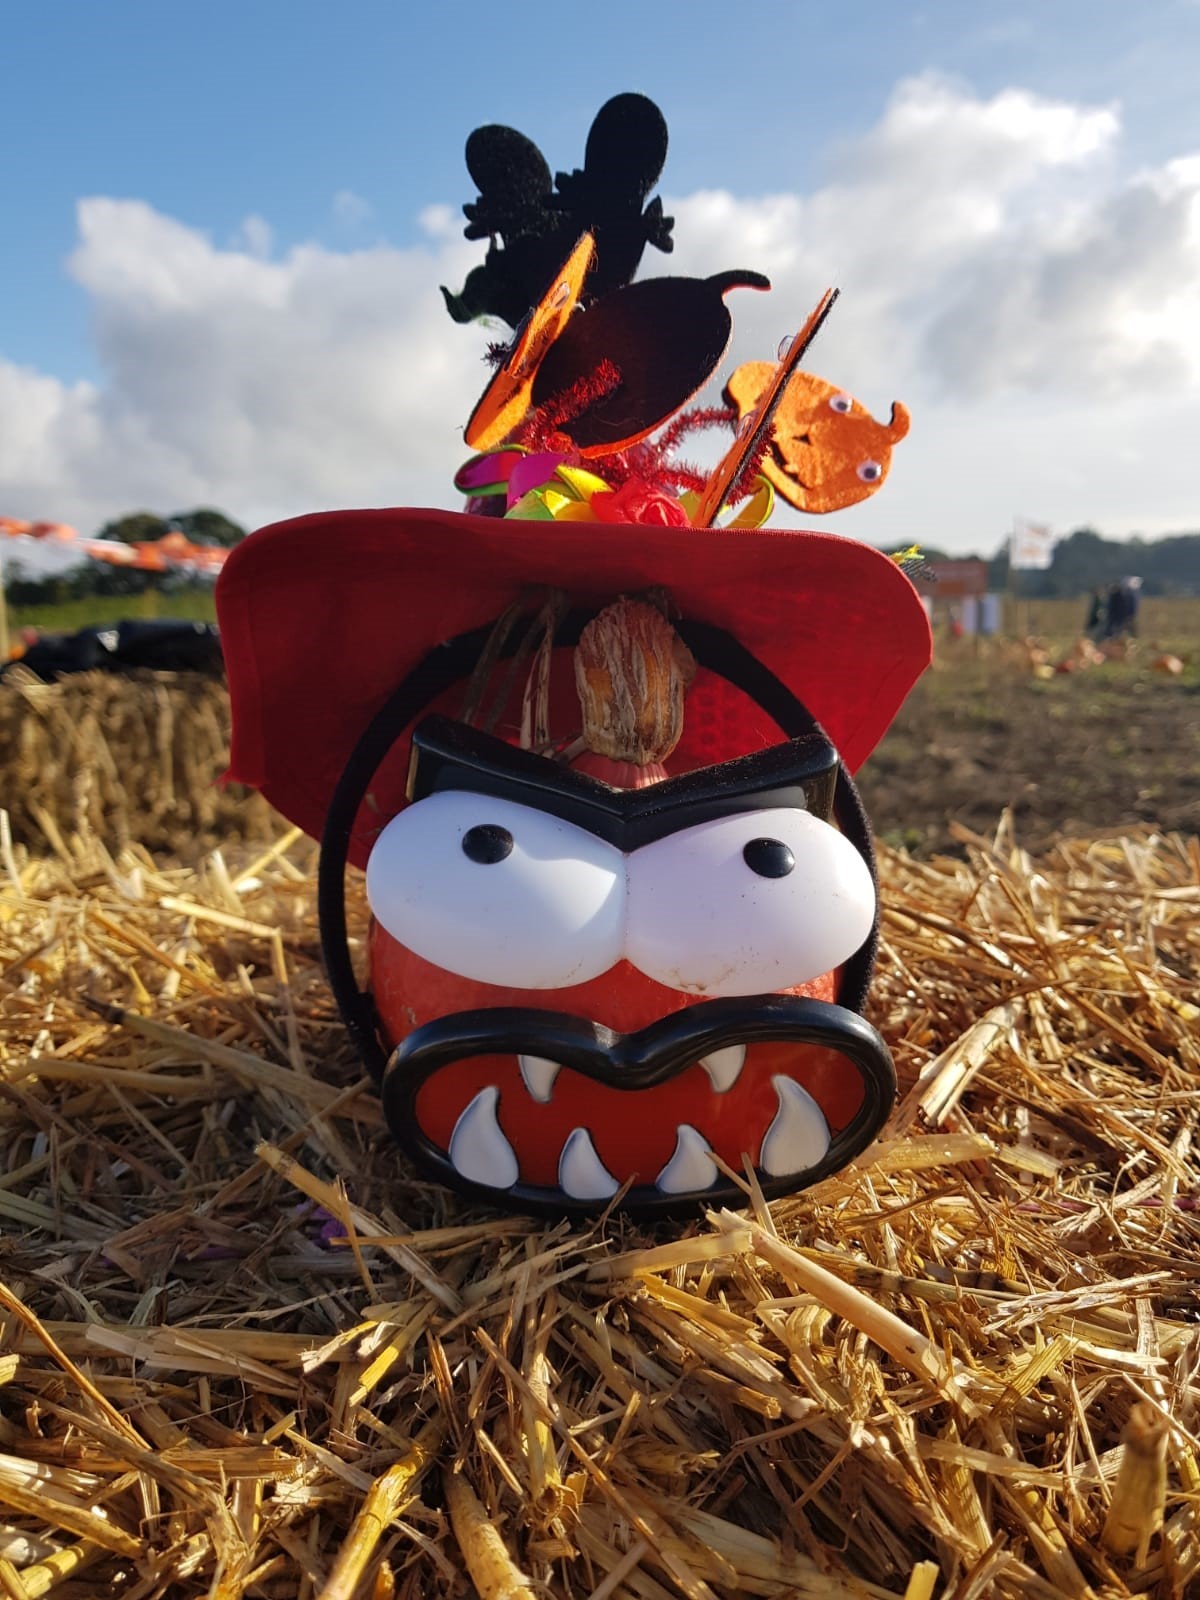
[[322, 618]]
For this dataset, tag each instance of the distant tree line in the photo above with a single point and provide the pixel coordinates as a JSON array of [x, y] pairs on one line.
[[1084, 561], [202, 526]]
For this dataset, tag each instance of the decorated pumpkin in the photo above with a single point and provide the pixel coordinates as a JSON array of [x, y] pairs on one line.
[[591, 740]]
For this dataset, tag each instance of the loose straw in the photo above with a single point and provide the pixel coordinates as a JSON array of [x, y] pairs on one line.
[[1139, 1495], [385, 1500], [904, 1344], [923, 1358], [493, 1571]]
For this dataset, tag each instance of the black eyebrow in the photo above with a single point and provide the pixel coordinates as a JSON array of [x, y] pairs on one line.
[[449, 755]]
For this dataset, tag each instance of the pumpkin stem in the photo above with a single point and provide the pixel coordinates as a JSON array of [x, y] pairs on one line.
[[631, 672]]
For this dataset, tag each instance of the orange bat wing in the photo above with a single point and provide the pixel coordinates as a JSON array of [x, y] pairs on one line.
[[507, 398]]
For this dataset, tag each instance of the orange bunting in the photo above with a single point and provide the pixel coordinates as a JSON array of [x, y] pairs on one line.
[[172, 552], [56, 531]]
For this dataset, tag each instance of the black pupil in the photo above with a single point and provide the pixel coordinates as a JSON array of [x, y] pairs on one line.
[[487, 843], [770, 858]]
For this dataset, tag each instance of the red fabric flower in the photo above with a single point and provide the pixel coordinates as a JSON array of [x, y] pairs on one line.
[[638, 501]]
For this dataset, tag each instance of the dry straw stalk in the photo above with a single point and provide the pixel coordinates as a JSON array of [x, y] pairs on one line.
[[247, 1355]]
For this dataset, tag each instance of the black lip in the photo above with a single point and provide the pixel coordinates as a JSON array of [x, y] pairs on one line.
[[632, 1062]]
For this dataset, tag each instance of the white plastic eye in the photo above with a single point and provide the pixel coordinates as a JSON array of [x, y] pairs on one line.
[[498, 892], [870, 471], [747, 904], [841, 403]]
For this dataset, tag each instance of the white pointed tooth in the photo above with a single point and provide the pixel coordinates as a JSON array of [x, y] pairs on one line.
[[799, 1136], [539, 1075], [581, 1173], [724, 1066], [478, 1149], [691, 1167]]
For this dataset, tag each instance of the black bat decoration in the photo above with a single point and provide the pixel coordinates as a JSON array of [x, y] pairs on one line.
[[531, 227], [625, 152]]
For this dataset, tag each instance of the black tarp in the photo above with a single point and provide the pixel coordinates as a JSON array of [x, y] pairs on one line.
[[160, 644]]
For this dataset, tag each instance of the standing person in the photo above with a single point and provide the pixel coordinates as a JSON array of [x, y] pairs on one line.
[[1116, 611], [1132, 588], [1096, 620]]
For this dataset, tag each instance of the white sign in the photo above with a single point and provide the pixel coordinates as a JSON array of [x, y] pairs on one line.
[[1032, 546]]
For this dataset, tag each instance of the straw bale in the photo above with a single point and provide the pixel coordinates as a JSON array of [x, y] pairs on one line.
[[246, 1353], [125, 758]]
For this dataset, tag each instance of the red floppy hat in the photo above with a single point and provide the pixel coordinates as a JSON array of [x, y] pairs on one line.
[[324, 616]]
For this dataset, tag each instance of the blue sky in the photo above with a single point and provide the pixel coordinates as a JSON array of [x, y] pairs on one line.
[[339, 128]]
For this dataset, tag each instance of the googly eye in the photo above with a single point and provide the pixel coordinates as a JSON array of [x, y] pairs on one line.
[[841, 403], [769, 858], [487, 843], [870, 471], [705, 918], [498, 892]]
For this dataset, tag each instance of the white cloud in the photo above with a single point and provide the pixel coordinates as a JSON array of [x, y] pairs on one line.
[[442, 223], [265, 387], [350, 209], [255, 236], [977, 242], [1037, 309]]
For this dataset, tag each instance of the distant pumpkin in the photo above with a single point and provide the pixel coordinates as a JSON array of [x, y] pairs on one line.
[[827, 451]]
